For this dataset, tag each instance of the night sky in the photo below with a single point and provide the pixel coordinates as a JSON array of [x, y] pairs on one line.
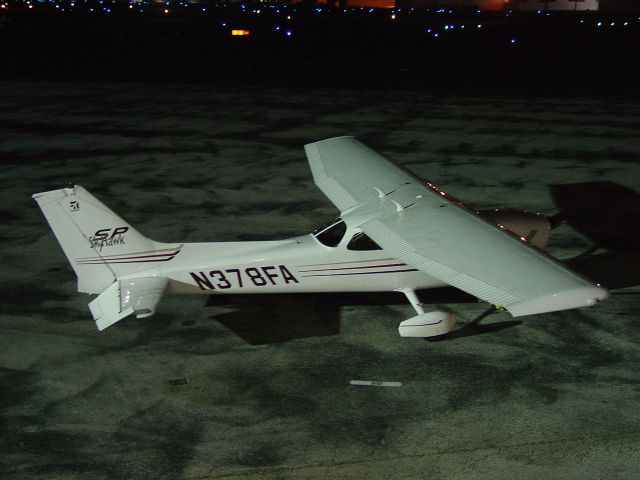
[[448, 50]]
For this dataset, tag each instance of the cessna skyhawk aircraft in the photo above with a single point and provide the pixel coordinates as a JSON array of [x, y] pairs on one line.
[[395, 232]]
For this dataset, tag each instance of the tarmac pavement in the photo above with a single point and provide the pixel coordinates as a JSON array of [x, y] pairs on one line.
[[261, 387]]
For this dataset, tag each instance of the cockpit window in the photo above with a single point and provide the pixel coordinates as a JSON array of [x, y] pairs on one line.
[[362, 242], [332, 233]]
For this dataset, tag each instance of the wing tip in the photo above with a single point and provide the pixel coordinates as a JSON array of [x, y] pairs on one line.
[[565, 300]]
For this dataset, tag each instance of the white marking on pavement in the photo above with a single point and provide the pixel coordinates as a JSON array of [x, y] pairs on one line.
[[374, 383]]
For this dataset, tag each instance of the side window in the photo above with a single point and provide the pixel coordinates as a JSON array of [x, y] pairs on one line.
[[361, 242], [332, 233]]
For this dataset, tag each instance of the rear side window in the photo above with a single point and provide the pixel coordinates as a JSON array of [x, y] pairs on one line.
[[361, 242], [332, 233]]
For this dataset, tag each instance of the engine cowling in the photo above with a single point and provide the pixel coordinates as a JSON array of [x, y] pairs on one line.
[[534, 227]]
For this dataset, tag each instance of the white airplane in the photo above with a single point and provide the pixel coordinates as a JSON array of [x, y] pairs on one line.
[[395, 232]]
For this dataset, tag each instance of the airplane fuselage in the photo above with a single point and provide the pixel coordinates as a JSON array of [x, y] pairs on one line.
[[335, 258], [300, 264]]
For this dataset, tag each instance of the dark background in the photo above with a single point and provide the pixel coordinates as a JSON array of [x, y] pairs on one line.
[[530, 53]]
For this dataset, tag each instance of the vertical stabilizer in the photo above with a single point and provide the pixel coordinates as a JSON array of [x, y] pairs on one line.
[[99, 244]]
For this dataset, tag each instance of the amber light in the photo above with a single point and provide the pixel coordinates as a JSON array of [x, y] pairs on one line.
[[240, 33]]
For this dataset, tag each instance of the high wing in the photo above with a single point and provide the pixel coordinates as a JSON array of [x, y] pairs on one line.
[[420, 225]]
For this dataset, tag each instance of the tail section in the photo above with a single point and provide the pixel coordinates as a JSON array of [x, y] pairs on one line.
[[102, 248]]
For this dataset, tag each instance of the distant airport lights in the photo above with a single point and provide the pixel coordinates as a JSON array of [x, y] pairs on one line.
[[168, 6]]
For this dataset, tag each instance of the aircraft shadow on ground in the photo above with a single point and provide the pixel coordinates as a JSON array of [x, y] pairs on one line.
[[277, 318], [474, 328], [608, 214]]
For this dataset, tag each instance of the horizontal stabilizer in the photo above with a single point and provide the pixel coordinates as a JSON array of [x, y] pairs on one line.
[[137, 296], [106, 310]]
